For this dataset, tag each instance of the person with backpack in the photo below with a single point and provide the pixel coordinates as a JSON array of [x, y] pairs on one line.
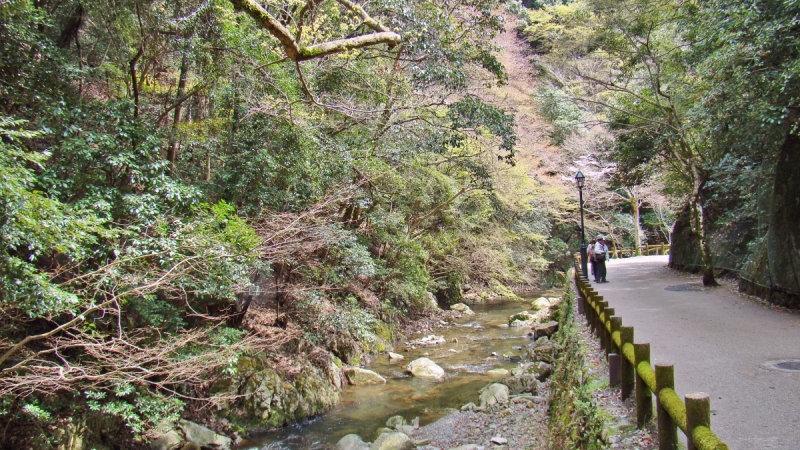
[[601, 255], [590, 254]]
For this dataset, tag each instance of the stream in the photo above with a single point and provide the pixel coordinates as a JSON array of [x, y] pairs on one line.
[[466, 357]]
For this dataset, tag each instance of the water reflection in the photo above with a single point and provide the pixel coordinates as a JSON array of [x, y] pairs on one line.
[[474, 347]]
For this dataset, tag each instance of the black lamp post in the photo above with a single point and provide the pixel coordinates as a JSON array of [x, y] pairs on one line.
[[580, 180]]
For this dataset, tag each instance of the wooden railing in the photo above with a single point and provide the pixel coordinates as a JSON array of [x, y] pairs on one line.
[[658, 249], [629, 367]]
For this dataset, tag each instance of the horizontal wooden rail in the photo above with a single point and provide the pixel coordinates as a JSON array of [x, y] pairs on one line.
[[691, 415], [658, 249]]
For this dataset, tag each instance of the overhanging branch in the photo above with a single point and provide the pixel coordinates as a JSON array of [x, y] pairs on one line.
[[297, 53]]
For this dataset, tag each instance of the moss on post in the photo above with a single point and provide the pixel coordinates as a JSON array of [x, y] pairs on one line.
[[644, 396], [698, 414], [628, 375], [667, 430]]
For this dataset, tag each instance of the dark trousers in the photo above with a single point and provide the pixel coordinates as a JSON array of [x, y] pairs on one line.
[[599, 271]]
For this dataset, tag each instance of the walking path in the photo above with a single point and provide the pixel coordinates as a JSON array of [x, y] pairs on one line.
[[718, 341]]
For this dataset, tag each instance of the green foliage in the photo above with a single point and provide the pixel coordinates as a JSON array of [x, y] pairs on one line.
[[34, 228], [471, 113], [169, 134], [561, 111], [565, 27], [575, 421], [140, 410]]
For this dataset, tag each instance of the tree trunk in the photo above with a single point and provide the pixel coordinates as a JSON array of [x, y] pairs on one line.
[[783, 237], [637, 227], [701, 226], [172, 150]]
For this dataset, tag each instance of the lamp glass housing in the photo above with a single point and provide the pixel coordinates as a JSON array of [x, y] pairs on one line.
[[580, 179]]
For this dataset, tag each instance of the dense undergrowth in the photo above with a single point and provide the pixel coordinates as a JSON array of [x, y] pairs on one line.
[[179, 200]]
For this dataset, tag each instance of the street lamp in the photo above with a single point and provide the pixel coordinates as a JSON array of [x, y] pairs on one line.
[[580, 180]]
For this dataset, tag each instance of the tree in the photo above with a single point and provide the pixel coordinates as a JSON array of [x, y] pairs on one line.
[[648, 100]]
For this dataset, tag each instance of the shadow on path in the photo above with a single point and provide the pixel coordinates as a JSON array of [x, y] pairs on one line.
[[721, 342]]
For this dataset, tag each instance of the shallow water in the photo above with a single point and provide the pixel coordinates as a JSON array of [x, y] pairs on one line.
[[364, 409]]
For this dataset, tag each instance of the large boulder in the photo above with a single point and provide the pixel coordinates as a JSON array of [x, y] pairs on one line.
[[495, 394], [351, 442], [425, 368], [260, 398], [393, 441], [362, 377]]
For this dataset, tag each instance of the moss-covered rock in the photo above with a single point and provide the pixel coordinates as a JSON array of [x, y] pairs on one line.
[[265, 398], [362, 377]]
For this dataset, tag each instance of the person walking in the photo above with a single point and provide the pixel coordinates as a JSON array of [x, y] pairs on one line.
[[601, 255], [590, 254]]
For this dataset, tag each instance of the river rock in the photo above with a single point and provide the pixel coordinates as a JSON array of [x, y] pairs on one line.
[[468, 407], [497, 373], [362, 377], [461, 307], [542, 352], [432, 303], [351, 442], [425, 368], [395, 421], [499, 440], [202, 436], [392, 441], [395, 356], [495, 394], [521, 319], [545, 329], [167, 441], [526, 382], [382, 430], [542, 370], [541, 303], [407, 429], [465, 447]]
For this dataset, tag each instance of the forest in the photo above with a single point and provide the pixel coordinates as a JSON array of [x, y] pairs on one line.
[[198, 192]]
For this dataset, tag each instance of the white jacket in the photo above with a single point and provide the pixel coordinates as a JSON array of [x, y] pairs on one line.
[[601, 248]]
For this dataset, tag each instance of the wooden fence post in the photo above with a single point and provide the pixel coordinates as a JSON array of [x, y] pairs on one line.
[[667, 430], [628, 371], [698, 412], [609, 312], [644, 396], [601, 328], [614, 369], [616, 323]]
